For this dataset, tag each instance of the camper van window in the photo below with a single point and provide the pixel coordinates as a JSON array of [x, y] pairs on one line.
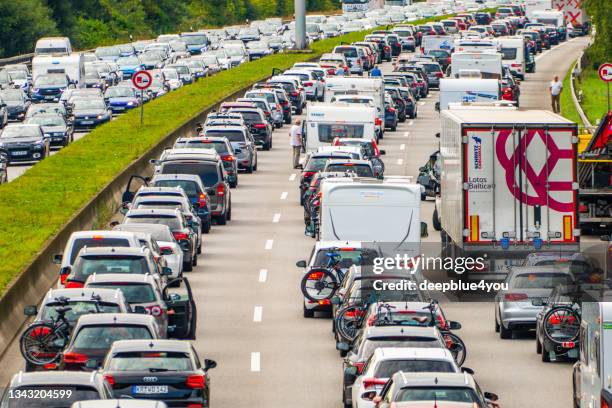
[[51, 50], [328, 132], [508, 53]]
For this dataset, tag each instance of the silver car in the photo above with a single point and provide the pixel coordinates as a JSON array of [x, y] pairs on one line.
[[517, 306]]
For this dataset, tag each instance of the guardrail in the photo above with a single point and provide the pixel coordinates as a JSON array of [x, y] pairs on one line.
[[583, 117], [17, 59]]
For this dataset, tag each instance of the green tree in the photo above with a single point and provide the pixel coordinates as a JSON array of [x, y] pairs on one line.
[[22, 23], [601, 16]]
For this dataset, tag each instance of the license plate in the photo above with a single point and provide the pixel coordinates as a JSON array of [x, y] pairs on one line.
[[58, 139], [19, 153], [150, 389], [119, 107], [49, 97], [87, 122]]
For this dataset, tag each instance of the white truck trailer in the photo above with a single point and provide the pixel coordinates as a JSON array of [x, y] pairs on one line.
[[453, 90], [508, 185]]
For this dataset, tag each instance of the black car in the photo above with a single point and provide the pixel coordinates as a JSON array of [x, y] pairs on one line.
[[482, 18], [442, 57], [17, 103], [390, 116], [89, 113], [55, 128], [260, 128], [24, 143], [553, 35], [163, 370], [49, 87], [222, 146], [399, 102]]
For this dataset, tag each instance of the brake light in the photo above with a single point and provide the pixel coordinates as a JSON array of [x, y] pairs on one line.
[[194, 405], [515, 65], [97, 238], [331, 71], [166, 249], [358, 62], [377, 122], [439, 74], [109, 379], [202, 200], [259, 126], [74, 285], [372, 382], [294, 94], [221, 190], [568, 344], [360, 366], [180, 236], [604, 403], [308, 83], [63, 278], [308, 174], [195, 381], [228, 158], [513, 297], [75, 358]]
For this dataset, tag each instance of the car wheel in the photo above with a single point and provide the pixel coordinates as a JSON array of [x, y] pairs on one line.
[[503, 332], [288, 120], [436, 221], [308, 313], [229, 212], [267, 146], [234, 184], [394, 128], [194, 261], [206, 227], [546, 355], [187, 266], [496, 324], [538, 345], [222, 219], [423, 197], [249, 169], [255, 165]]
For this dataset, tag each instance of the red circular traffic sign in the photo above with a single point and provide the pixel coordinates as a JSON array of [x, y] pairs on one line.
[[605, 72], [142, 80]]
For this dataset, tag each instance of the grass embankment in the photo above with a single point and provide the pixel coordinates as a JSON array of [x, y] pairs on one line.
[[35, 206], [568, 109], [594, 100]]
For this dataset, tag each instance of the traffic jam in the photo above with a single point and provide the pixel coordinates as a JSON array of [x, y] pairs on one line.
[[121, 322]]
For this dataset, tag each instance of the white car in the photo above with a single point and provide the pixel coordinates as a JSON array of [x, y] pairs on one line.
[[313, 84], [386, 361]]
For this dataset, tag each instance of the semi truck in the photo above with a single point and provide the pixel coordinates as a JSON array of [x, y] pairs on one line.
[[508, 185]]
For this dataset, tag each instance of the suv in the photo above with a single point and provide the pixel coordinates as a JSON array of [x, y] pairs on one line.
[[212, 174], [273, 100], [258, 125], [355, 57], [241, 143], [223, 148]]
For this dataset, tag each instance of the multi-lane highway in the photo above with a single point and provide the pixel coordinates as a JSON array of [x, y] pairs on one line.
[[250, 304]]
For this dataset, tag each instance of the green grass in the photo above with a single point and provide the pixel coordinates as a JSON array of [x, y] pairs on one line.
[[594, 94], [35, 206], [568, 109]]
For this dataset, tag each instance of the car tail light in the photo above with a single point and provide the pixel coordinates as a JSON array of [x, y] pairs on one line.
[[228, 158], [194, 405], [358, 62], [221, 190], [392, 110], [324, 302], [50, 366], [307, 83], [154, 310], [331, 71], [604, 403], [377, 122], [278, 106], [195, 382], [74, 285], [294, 94], [202, 200], [75, 358], [360, 366], [513, 297], [63, 278], [259, 126], [166, 249], [109, 379], [568, 344], [180, 236], [387, 48], [372, 382], [308, 174], [583, 208], [439, 74], [515, 65]]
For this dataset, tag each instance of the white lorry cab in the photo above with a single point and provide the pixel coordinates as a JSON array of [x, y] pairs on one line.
[[53, 46], [326, 121], [386, 211], [488, 63], [513, 52], [453, 90], [374, 87], [72, 65]]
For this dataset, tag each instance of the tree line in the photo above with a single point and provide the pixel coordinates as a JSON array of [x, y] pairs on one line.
[[90, 23]]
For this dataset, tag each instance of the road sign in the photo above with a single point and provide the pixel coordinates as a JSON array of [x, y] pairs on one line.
[[142, 80], [605, 72]]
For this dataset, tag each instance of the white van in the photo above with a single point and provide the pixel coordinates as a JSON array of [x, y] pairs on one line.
[[72, 65], [326, 121], [53, 46], [488, 63], [371, 210], [512, 50], [374, 87], [467, 90]]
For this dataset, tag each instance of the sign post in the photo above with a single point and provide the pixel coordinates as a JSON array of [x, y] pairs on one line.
[[141, 81], [605, 73]]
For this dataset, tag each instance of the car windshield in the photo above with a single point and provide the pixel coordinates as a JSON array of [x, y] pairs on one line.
[[267, 96], [150, 361], [250, 117], [207, 172], [18, 74], [171, 73], [79, 308], [172, 222], [93, 242], [67, 394], [194, 39], [20, 131], [181, 69], [234, 51], [102, 337], [362, 170], [437, 394], [541, 280], [46, 120], [209, 60], [87, 265], [231, 135], [367, 348], [50, 80], [12, 95], [128, 61], [328, 132], [387, 368], [347, 51], [108, 52], [133, 292], [191, 189], [119, 92], [219, 146], [82, 104]]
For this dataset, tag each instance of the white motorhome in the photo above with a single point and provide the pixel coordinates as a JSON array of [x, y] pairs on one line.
[[454, 90], [371, 210], [326, 121], [72, 65], [488, 63], [437, 42], [487, 206], [512, 50], [374, 87], [53, 46]]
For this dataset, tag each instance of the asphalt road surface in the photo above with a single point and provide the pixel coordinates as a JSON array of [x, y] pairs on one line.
[[250, 305]]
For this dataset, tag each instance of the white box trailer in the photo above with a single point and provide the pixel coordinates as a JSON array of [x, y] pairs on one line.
[[508, 184], [375, 87], [488, 63], [371, 210], [454, 90], [72, 65], [513, 54], [536, 5], [326, 121]]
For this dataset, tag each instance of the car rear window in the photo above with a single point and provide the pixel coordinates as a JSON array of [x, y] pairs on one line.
[[231, 135], [429, 68], [347, 51], [508, 53], [219, 146], [151, 361], [540, 280], [454, 394], [133, 292], [191, 187], [172, 222], [102, 337], [63, 396], [208, 172], [79, 308], [328, 132], [316, 163], [251, 117], [88, 265], [361, 170], [79, 243], [370, 345], [167, 205], [387, 368]]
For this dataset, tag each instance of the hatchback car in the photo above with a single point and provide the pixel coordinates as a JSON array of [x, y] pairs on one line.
[[17, 103], [243, 147], [222, 146], [89, 113], [260, 128], [363, 168], [54, 128]]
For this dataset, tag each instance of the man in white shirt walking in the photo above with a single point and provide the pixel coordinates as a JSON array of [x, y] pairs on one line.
[[295, 140], [556, 87]]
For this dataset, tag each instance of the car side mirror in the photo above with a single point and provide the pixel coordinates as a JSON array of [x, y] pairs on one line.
[[301, 264], [352, 370], [57, 258], [342, 346], [65, 270], [452, 325], [336, 300], [382, 152], [166, 271], [369, 395], [114, 223], [438, 135], [140, 310], [155, 162], [424, 229], [491, 396], [467, 370], [91, 364], [30, 310], [209, 364]]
